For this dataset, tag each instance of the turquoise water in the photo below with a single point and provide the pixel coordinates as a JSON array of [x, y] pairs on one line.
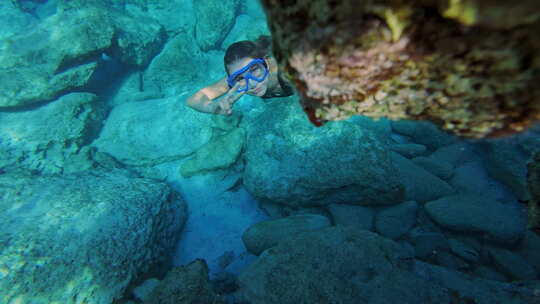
[[114, 190]]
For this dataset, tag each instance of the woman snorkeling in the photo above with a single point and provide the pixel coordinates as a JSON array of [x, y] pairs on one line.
[[250, 70]]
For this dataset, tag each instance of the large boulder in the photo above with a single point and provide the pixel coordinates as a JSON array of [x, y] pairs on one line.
[[52, 138], [94, 232], [290, 162], [214, 21], [180, 64], [62, 53], [141, 133], [496, 221]]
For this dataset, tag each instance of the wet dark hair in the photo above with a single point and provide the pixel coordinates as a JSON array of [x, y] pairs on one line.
[[259, 48]]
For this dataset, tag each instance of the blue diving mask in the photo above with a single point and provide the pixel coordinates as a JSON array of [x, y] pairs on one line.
[[255, 70]]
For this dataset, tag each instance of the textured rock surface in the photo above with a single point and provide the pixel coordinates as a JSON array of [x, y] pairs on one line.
[[506, 162], [348, 215], [215, 20], [180, 63], [94, 232], [185, 284], [469, 66], [267, 234], [219, 153], [420, 185], [344, 265], [290, 162], [134, 132], [393, 222], [52, 138], [500, 222], [61, 53], [533, 185], [439, 168], [512, 264]]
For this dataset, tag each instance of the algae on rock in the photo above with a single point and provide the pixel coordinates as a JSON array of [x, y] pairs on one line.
[[470, 66]]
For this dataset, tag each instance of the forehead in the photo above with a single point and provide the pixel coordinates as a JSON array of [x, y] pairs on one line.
[[238, 64]]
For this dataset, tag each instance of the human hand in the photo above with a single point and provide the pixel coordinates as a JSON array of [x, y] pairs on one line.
[[224, 106]]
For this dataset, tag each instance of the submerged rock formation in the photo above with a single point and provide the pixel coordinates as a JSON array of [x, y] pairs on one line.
[[470, 66], [83, 237], [63, 53]]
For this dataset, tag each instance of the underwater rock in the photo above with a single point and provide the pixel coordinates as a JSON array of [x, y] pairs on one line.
[[507, 163], [267, 234], [511, 264], [219, 153], [439, 168], [499, 222], [177, 65], [533, 185], [529, 249], [93, 231], [52, 138], [331, 265], [409, 150], [150, 132], [290, 162], [420, 185], [395, 221], [12, 21], [469, 66], [344, 265], [185, 284], [214, 21], [464, 251], [349, 215], [423, 133], [246, 28], [61, 53]]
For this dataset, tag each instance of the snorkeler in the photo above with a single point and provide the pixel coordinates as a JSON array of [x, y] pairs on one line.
[[250, 70]]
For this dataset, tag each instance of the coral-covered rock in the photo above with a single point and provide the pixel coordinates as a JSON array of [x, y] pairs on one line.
[[95, 232], [469, 66]]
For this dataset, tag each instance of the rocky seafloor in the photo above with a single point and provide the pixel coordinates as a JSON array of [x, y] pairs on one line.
[[112, 190]]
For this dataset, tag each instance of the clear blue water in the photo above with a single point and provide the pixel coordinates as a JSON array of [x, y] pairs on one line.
[[109, 179]]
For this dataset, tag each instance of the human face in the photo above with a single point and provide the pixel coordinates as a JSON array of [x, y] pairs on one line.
[[249, 73]]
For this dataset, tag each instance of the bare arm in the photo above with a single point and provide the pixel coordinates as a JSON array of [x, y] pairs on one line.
[[205, 99]]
